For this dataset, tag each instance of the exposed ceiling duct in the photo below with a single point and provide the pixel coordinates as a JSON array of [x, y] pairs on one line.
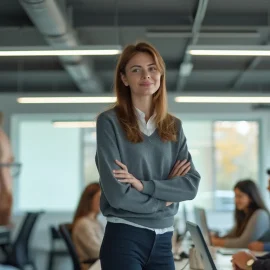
[[187, 66], [52, 23]]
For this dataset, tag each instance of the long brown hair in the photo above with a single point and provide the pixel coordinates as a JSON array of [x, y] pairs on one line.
[[85, 203], [165, 122], [248, 187]]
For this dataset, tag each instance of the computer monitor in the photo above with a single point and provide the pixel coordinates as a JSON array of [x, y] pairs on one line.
[[201, 220], [201, 246]]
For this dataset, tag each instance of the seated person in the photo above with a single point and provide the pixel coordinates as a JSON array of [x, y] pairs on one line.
[[247, 261], [87, 232], [261, 245], [251, 217], [6, 157]]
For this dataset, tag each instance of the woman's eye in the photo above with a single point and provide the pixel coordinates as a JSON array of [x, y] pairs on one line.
[[153, 68], [135, 70]]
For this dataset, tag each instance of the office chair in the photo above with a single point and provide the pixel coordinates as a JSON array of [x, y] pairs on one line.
[[17, 253], [55, 237], [65, 230]]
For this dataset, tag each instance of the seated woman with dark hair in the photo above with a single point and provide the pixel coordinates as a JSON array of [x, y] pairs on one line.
[[251, 217], [87, 232]]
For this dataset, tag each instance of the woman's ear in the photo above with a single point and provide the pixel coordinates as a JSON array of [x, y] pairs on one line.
[[124, 79]]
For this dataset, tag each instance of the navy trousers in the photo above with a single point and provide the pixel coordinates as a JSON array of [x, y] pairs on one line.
[[125, 247]]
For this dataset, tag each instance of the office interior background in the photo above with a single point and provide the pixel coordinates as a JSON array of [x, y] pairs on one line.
[[228, 140]]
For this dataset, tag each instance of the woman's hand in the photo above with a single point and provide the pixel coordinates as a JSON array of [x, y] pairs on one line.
[[124, 176], [217, 242], [256, 246], [241, 258], [180, 168]]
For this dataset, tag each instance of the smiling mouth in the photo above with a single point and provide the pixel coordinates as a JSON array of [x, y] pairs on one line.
[[146, 84]]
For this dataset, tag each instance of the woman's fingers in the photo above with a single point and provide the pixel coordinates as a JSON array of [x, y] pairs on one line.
[[185, 171], [119, 171], [122, 175], [182, 168], [173, 171]]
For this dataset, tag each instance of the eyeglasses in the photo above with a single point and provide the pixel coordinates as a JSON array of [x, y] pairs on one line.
[[15, 168]]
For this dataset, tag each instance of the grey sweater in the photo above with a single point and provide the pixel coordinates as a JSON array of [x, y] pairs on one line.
[[149, 161], [257, 225]]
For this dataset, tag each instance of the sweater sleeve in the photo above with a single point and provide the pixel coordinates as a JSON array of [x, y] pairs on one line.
[[119, 195], [179, 188], [257, 225]]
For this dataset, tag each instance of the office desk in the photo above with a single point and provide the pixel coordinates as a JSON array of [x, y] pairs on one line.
[[222, 263]]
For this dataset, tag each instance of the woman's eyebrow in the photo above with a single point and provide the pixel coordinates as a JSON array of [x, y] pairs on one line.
[[141, 66]]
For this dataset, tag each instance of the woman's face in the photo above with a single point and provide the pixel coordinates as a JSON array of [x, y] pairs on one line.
[[142, 75], [95, 204], [241, 199]]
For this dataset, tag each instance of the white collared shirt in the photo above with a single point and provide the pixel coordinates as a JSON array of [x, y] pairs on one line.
[[148, 128]]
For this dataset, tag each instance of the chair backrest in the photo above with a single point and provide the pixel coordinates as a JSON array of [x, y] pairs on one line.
[[65, 230], [20, 248], [55, 236]]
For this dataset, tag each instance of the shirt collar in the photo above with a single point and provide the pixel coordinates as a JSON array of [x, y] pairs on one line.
[[141, 115]]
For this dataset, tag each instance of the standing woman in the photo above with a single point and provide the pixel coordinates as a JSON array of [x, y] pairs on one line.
[[144, 165]]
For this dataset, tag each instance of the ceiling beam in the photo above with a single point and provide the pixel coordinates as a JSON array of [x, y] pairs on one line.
[[233, 21], [186, 65], [82, 18]]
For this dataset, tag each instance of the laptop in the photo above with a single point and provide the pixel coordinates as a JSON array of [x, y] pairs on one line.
[[201, 220], [202, 248]]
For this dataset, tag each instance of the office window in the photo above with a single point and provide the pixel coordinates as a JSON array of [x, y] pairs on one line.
[[50, 177], [223, 152], [199, 136], [236, 157]]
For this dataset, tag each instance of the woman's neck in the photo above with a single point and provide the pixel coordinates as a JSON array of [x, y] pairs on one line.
[[145, 105]]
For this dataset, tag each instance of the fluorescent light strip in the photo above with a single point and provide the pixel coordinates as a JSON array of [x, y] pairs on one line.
[[49, 51], [59, 53], [229, 52], [45, 100], [204, 99], [74, 124]]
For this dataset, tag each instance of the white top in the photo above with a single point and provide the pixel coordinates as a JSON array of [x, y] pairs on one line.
[[148, 129]]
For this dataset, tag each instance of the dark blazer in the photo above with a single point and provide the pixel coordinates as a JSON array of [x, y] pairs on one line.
[[263, 263]]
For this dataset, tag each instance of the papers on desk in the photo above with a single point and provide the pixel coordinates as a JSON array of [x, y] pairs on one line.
[[230, 251]]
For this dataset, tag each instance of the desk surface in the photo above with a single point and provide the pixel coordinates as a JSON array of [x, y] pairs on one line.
[[222, 263]]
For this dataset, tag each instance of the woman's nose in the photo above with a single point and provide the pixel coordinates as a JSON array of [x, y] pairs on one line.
[[146, 74]]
